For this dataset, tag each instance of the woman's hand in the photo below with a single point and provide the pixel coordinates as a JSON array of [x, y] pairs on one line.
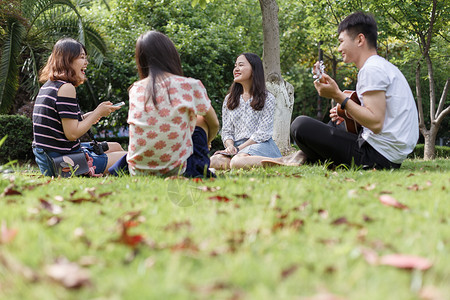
[[104, 109], [231, 149]]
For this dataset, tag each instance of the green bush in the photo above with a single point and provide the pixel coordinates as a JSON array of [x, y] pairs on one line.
[[17, 145], [441, 151]]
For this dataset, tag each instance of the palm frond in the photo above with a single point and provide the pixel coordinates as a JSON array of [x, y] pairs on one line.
[[9, 70]]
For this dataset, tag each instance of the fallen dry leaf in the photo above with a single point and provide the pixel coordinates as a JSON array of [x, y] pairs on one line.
[[10, 191], [219, 198], [129, 220], [404, 261], [391, 201], [369, 187], [340, 221], [185, 245], [69, 274], [288, 271], [54, 209], [323, 213], [6, 235], [415, 187], [242, 196]]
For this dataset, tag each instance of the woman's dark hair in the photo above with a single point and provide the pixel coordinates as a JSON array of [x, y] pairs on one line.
[[156, 55], [258, 90], [58, 66], [360, 22]]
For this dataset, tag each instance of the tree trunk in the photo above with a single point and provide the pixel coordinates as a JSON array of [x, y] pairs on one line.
[[284, 95], [429, 151], [283, 91]]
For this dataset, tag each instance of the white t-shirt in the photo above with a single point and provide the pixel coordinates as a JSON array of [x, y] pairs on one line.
[[400, 131]]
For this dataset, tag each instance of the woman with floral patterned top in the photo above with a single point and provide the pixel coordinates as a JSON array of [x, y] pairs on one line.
[[171, 118], [247, 118]]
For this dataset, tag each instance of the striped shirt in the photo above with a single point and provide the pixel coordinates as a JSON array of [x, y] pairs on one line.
[[48, 111]]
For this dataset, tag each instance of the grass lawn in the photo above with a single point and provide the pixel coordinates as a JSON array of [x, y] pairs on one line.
[[280, 233]]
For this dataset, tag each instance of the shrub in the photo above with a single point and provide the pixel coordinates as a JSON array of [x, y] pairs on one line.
[[17, 145], [441, 151]]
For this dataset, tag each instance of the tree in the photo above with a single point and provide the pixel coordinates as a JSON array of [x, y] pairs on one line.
[[29, 28], [426, 23], [283, 91]]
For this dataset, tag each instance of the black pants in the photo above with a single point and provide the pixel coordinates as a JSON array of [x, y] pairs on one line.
[[322, 142]]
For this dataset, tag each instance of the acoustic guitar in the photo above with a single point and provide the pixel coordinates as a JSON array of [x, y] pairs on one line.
[[350, 124]]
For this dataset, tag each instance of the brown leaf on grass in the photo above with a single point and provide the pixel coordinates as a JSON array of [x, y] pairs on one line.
[[301, 207], [242, 196], [401, 261], [297, 223], [391, 201], [177, 226], [323, 213], [369, 187], [219, 198], [185, 245], [404, 261], [82, 199], [129, 220], [209, 188], [69, 274], [367, 219], [54, 209], [410, 174], [340, 221], [10, 191], [285, 273], [349, 179], [7, 235], [415, 187]]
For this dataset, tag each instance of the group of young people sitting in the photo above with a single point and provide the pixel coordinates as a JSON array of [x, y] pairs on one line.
[[172, 123]]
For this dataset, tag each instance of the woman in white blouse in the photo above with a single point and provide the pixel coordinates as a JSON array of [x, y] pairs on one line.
[[247, 118]]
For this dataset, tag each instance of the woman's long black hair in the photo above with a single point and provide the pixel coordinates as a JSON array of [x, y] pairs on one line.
[[258, 90], [156, 55]]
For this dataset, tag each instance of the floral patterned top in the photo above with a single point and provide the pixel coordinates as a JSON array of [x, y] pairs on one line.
[[160, 137], [244, 122]]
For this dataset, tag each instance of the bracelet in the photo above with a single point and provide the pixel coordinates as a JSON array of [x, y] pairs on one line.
[[344, 102]]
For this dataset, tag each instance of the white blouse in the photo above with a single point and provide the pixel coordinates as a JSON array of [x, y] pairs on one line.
[[244, 122]]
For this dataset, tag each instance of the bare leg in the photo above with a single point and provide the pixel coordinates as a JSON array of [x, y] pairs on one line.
[[294, 159], [114, 147], [245, 161], [202, 124], [220, 162], [112, 158]]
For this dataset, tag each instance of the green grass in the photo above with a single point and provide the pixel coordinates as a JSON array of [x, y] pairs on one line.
[[274, 239]]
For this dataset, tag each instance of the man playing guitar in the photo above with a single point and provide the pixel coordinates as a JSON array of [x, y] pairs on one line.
[[387, 114]]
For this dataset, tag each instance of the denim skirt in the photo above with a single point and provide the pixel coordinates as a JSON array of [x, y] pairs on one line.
[[266, 149]]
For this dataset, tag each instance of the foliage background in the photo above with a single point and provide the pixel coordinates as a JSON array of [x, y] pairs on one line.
[[210, 39]]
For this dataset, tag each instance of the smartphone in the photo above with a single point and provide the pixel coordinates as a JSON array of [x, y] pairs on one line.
[[119, 104]]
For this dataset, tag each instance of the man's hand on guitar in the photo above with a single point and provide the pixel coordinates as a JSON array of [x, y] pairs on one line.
[[335, 117], [328, 88]]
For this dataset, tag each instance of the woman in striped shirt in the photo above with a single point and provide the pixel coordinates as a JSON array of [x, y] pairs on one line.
[[58, 122]]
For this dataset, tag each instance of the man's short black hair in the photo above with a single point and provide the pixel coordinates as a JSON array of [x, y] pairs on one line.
[[360, 22]]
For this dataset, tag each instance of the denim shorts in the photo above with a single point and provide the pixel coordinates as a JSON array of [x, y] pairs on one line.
[[266, 149], [45, 164]]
